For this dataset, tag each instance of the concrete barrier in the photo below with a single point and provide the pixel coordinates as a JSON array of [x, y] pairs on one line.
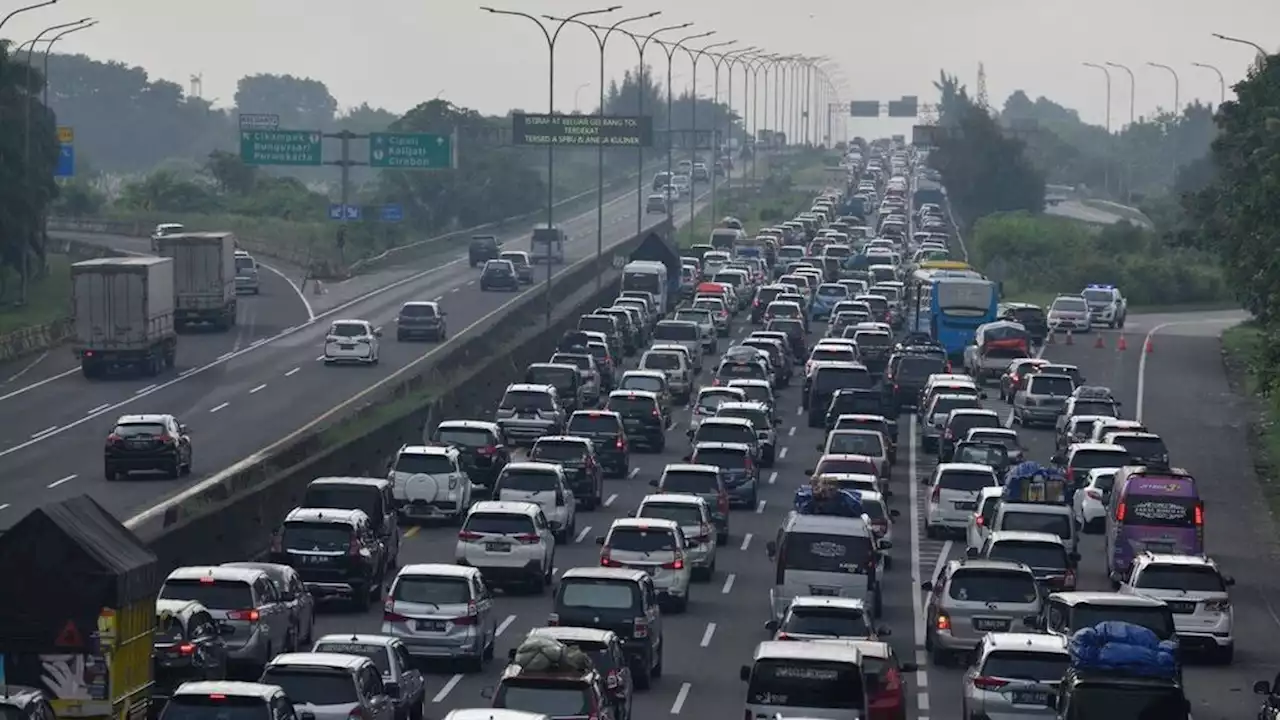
[[233, 514]]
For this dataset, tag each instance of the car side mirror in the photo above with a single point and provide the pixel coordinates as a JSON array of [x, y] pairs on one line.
[[895, 514], [184, 429], [971, 552], [927, 586], [771, 626], [884, 631], [771, 548], [983, 395], [1057, 459], [1052, 701], [1228, 581], [744, 673], [1074, 557], [885, 544], [653, 483], [487, 693], [631, 513], [600, 540], [377, 333], [1262, 687]]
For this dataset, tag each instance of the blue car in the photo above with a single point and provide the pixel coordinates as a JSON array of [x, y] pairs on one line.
[[738, 469], [825, 299]]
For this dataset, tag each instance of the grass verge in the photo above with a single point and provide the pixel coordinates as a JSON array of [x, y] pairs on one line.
[[48, 297], [755, 207], [1242, 354]]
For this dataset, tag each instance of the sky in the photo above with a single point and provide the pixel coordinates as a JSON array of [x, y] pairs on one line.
[[396, 54]]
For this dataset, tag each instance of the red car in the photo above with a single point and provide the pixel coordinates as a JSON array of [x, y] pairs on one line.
[[885, 678]]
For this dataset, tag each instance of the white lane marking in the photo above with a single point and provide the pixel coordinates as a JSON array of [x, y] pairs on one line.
[[98, 409], [260, 341], [728, 580], [471, 282], [318, 359], [454, 290], [3, 506], [746, 541], [187, 372], [782, 454], [146, 389], [943, 554], [291, 372], [773, 477], [502, 627], [917, 609], [311, 313], [66, 479], [224, 356], [1142, 360], [582, 534], [44, 432], [634, 472], [799, 412], [681, 696], [261, 387], [34, 385], [437, 298], [448, 688], [609, 500], [28, 367], [216, 408], [708, 634], [760, 508], [791, 432]]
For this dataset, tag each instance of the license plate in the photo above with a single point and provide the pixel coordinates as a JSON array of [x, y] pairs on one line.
[[990, 624], [1159, 547], [965, 505], [1182, 608], [346, 346], [314, 559], [426, 625], [1025, 697], [824, 592], [497, 547]]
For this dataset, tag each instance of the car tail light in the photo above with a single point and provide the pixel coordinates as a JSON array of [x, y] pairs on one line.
[[356, 713], [1093, 493], [277, 543], [165, 438], [1199, 516], [677, 564], [246, 615], [989, 683], [553, 619], [465, 620], [613, 680], [468, 536], [937, 494], [892, 682], [529, 539], [353, 546], [657, 413], [978, 520], [640, 627], [487, 450], [1120, 509], [723, 501], [185, 649], [1069, 578], [1217, 605], [114, 439], [943, 622], [220, 696], [606, 560], [388, 616], [950, 435]]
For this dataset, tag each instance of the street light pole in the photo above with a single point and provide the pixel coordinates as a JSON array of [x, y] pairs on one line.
[[551, 38], [670, 50], [1177, 112], [729, 59], [49, 48], [602, 40], [1258, 61], [718, 122], [1222, 81], [755, 64], [1133, 94], [694, 57], [36, 6], [1106, 164]]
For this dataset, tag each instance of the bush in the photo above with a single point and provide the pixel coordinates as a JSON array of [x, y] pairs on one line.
[[1045, 254]]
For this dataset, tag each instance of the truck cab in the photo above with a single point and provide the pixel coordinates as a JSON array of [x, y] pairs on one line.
[[547, 244]]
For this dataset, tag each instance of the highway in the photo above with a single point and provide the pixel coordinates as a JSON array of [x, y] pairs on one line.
[[1184, 398], [1076, 210], [240, 396]]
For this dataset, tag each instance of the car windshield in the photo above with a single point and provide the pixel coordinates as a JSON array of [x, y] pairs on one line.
[[961, 424], [711, 306], [598, 594], [1098, 296], [1187, 578], [432, 590], [1069, 305], [348, 330], [216, 595], [1053, 523], [685, 514], [500, 523], [376, 653], [313, 686], [685, 481], [1156, 619], [578, 360], [966, 480], [420, 464], [643, 540], [322, 537], [1030, 553], [1038, 667], [558, 451], [527, 480], [993, 586], [855, 443], [660, 361], [711, 401], [721, 457], [527, 400], [806, 684], [464, 437], [832, 622]]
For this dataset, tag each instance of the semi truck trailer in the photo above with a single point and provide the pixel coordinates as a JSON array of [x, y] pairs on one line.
[[123, 315]]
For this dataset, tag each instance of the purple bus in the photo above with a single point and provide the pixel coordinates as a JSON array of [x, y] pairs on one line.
[[1152, 510]]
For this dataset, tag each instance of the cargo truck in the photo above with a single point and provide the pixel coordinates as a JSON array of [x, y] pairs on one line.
[[204, 278], [122, 314]]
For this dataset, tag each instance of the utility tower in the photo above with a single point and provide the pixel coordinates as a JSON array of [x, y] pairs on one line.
[[197, 85], [982, 88]]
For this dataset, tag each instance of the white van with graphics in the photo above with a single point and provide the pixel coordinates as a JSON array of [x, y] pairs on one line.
[[825, 556]]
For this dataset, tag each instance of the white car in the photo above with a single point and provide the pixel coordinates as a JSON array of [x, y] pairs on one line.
[[1089, 506], [352, 341], [429, 482], [511, 543], [657, 547], [544, 485], [953, 496], [694, 516], [705, 321], [983, 517], [1197, 591]]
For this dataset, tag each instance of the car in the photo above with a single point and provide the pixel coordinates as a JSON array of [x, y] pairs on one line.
[[954, 489], [293, 593], [657, 203], [519, 260], [194, 699], [972, 597], [622, 600], [352, 341], [421, 319], [737, 466], [576, 456], [529, 411], [404, 684], [350, 685], [693, 514], [187, 646], [510, 543], [1197, 591], [543, 484], [762, 419], [1014, 674], [147, 443], [826, 619], [1089, 503], [1047, 554], [481, 445], [430, 482], [245, 604], [336, 552], [642, 416], [437, 611], [483, 248], [659, 548], [246, 273], [607, 433], [608, 655], [701, 481], [499, 275]]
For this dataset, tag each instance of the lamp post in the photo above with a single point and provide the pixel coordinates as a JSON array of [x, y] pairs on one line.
[[36, 6], [729, 58], [669, 49], [716, 123], [602, 39], [1258, 61], [1133, 94], [551, 38], [1222, 81], [754, 65], [1177, 111], [694, 57], [1106, 165]]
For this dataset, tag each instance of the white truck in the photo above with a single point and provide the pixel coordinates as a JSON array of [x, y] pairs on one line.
[[204, 277], [650, 276], [123, 314]]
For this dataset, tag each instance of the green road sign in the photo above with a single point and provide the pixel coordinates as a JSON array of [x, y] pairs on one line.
[[864, 108], [906, 107], [280, 147], [417, 151]]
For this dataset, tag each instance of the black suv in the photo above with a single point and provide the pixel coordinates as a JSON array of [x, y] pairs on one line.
[[481, 445], [483, 247], [499, 275], [853, 401], [641, 417], [336, 553], [619, 599], [906, 374], [371, 495], [582, 468], [419, 319], [1031, 317], [606, 429], [148, 443]]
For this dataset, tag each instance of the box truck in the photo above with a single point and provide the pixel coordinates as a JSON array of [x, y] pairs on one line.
[[122, 313], [204, 277]]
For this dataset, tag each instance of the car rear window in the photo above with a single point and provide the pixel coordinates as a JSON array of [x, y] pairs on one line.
[[844, 466], [1030, 553], [432, 589], [627, 405], [376, 653], [527, 480], [1143, 447], [216, 595], [1053, 523], [660, 361], [944, 405], [990, 585], [645, 540], [139, 430], [831, 622], [557, 450], [855, 443], [600, 594], [208, 707], [721, 457], [830, 379], [1094, 407], [500, 523], [684, 513], [833, 354], [592, 423], [872, 339], [417, 311], [526, 400], [758, 419], [1034, 666], [419, 464], [1185, 578], [313, 686], [720, 432], [966, 480], [552, 698], [559, 377], [338, 496], [1090, 459], [676, 332], [735, 371], [919, 367], [324, 537], [684, 481], [465, 437], [1046, 385]]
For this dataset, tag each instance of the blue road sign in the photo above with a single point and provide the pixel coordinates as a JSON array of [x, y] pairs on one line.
[[392, 213], [66, 161], [336, 212]]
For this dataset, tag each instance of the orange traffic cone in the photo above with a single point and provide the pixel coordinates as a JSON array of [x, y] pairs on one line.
[[1099, 343], [1148, 348], [1069, 340], [1121, 344]]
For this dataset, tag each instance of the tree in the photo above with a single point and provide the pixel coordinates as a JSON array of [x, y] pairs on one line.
[[78, 198], [984, 169], [231, 173], [28, 156], [301, 103]]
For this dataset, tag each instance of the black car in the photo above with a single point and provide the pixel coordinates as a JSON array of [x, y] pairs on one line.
[[336, 552], [147, 443], [1031, 317], [642, 417], [796, 334], [853, 401], [187, 646], [421, 319], [606, 430], [622, 600], [825, 381], [370, 495], [481, 445], [582, 470], [483, 248], [906, 374], [499, 275]]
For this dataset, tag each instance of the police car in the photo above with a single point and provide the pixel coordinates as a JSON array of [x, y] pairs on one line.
[[1106, 305]]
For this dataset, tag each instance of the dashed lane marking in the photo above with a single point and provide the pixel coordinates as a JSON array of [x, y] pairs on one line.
[[226, 355], [448, 688], [708, 634], [782, 454], [681, 696], [746, 541], [634, 472], [3, 506], [437, 298], [502, 627], [216, 408], [581, 534], [146, 389], [917, 609], [791, 432], [66, 479], [609, 500], [45, 431], [258, 389], [773, 477], [412, 531], [319, 358], [291, 372], [728, 580], [760, 508], [99, 409]]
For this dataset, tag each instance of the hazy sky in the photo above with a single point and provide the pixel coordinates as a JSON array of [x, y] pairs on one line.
[[395, 54]]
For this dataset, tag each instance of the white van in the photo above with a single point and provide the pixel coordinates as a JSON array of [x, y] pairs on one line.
[[805, 680], [825, 556], [648, 276]]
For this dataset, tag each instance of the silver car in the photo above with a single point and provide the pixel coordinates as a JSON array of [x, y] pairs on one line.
[[331, 686], [295, 596], [657, 547], [973, 597], [1069, 313], [1040, 398], [1013, 676], [528, 412], [693, 514], [442, 611], [257, 624]]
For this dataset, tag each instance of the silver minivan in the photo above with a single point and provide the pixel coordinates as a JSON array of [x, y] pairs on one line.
[[544, 485], [825, 556], [657, 547], [972, 597], [953, 496], [442, 611], [256, 623]]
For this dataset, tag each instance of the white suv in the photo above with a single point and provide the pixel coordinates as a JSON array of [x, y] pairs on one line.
[[544, 485], [429, 482], [510, 543], [953, 496], [1195, 590], [657, 547], [351, 341]]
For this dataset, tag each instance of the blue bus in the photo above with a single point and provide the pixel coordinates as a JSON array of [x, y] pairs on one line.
[[957, 306]]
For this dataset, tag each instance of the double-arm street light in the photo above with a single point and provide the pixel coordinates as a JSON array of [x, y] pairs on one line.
[[602, 40], [551, 38], [669, 49], [1106, 165], [727, 59], [694, 57], [1133, 95]]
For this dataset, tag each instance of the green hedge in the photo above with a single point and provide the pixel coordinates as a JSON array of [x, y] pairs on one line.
[[1036, 254]]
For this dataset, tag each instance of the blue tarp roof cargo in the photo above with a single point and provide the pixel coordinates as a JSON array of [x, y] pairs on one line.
[[1033, 482], [1120, 648], [827, 499]]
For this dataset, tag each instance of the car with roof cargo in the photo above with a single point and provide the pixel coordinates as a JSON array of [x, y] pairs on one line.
[[622, 600], [187, 646], [605, 650]]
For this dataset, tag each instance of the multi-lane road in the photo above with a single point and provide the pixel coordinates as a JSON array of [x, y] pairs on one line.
[[243, 391], [1178, 390]]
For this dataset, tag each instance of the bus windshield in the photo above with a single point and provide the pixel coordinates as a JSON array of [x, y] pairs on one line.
[[966, 299], [641, 281]]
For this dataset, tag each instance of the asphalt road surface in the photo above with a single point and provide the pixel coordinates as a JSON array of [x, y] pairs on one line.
[[1077, 210], [1184, 398], [239, 397]]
